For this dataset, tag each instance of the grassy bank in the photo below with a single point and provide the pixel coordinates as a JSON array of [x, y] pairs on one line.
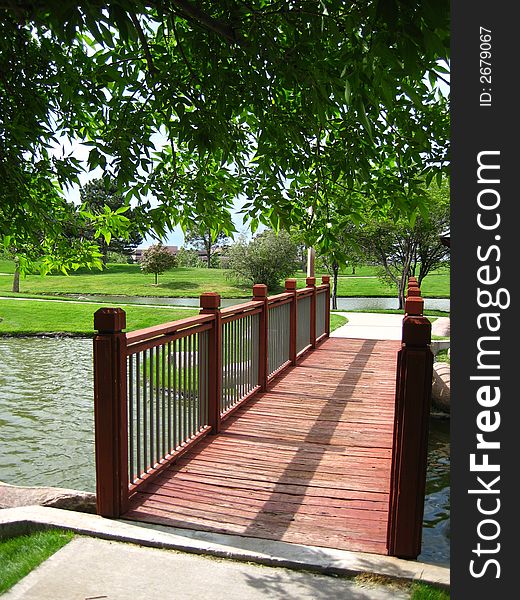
[[128, 280], [33, 316], [21, 554], [19, 317]]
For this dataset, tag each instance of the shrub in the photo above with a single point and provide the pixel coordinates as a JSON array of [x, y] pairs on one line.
[[189, 258], [267, 259], [156, 259]]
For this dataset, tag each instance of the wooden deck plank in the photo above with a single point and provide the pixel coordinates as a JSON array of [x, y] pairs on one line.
[[307, 462]]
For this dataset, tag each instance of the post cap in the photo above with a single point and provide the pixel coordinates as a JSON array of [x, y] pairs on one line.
[[259, 290], [109, 320], [210, 300], [310, 281], [325, 279], [412, 280], [414, 306], [290, 284], [413, 291], [417, 331]]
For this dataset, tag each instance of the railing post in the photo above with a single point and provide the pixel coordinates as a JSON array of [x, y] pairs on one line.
[[290, 286], [110, 412], [260, 294], [325, 279], [209, 304], [410, 444]]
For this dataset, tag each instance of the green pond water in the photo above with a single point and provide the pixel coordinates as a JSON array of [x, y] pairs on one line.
[[47, 429]]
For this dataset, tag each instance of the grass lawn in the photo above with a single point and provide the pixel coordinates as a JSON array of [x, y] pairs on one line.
[[32, 316], [20, 555], [422, 591], [128, 280]]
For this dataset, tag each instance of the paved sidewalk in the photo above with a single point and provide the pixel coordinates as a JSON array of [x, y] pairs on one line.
[[88, 569], [370, 326]]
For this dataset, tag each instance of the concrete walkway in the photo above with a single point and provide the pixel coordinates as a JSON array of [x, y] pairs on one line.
[[270, 569], [89, 568], [370, 326]]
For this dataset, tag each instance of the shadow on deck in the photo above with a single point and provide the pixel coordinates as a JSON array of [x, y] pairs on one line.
[[307, 462]]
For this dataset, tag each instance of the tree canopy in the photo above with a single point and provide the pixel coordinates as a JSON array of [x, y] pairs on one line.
[[194, 102]]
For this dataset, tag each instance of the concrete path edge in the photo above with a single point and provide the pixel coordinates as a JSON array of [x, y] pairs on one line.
[[22, 520]]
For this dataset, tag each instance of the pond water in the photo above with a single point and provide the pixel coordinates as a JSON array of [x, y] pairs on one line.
[[47, 425], [343, 303]]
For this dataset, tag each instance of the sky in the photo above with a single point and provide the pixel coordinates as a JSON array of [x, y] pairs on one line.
[[175, 237]]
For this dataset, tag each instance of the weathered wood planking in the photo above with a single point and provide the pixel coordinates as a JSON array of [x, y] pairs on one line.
[[306, 462]]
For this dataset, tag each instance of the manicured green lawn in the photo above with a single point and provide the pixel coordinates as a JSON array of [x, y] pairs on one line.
[[422, 591], [21, 554], [337, 321], [128, 280], [33, 316]]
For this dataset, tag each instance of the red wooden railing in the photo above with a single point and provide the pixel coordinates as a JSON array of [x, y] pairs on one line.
[[162, 389], [410, 445]]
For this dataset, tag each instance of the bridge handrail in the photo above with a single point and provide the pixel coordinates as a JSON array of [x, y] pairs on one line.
[[161, 389]]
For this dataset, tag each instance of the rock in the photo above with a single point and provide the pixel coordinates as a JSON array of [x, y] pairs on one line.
[[12, 496], [441, 386], [441, 326]]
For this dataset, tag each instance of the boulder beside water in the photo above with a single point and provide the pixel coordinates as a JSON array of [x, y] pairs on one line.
[[12, 496], [441, 386]]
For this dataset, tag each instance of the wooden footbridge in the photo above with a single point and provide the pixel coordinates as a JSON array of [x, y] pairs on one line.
[[251, 421]]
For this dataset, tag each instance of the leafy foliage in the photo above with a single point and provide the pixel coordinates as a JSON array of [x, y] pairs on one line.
[[405, 248], [101, 197], [195, 102], [156, 259], [188, 258], [202, 238], [267, 259]]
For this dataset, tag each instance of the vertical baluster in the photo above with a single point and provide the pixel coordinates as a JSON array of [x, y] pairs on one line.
[[169, 397], [185, 390], [175, 398], [139, 468], [224, 369], [235, 363], [131, 417], [240, 348], [192, 385], [164, 450], [200, 387], [158, 424], [145, 411], [188, 387], [152, 397]]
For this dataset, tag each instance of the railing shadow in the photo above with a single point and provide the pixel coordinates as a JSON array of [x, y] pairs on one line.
[[309, 451]]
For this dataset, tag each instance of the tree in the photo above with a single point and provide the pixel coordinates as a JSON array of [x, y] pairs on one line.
[[156, 259], [344, 250], [188, 258], [267, 258], [95, 196], [245, 96], [404, 248], [202, 238]]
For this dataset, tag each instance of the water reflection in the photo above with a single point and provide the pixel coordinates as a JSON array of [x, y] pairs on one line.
[[436, 522], [343, 303], [46, 412]]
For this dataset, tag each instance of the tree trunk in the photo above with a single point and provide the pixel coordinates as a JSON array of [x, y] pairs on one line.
[[335, 270], [156, 278], [16, 278], [16, 281]]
